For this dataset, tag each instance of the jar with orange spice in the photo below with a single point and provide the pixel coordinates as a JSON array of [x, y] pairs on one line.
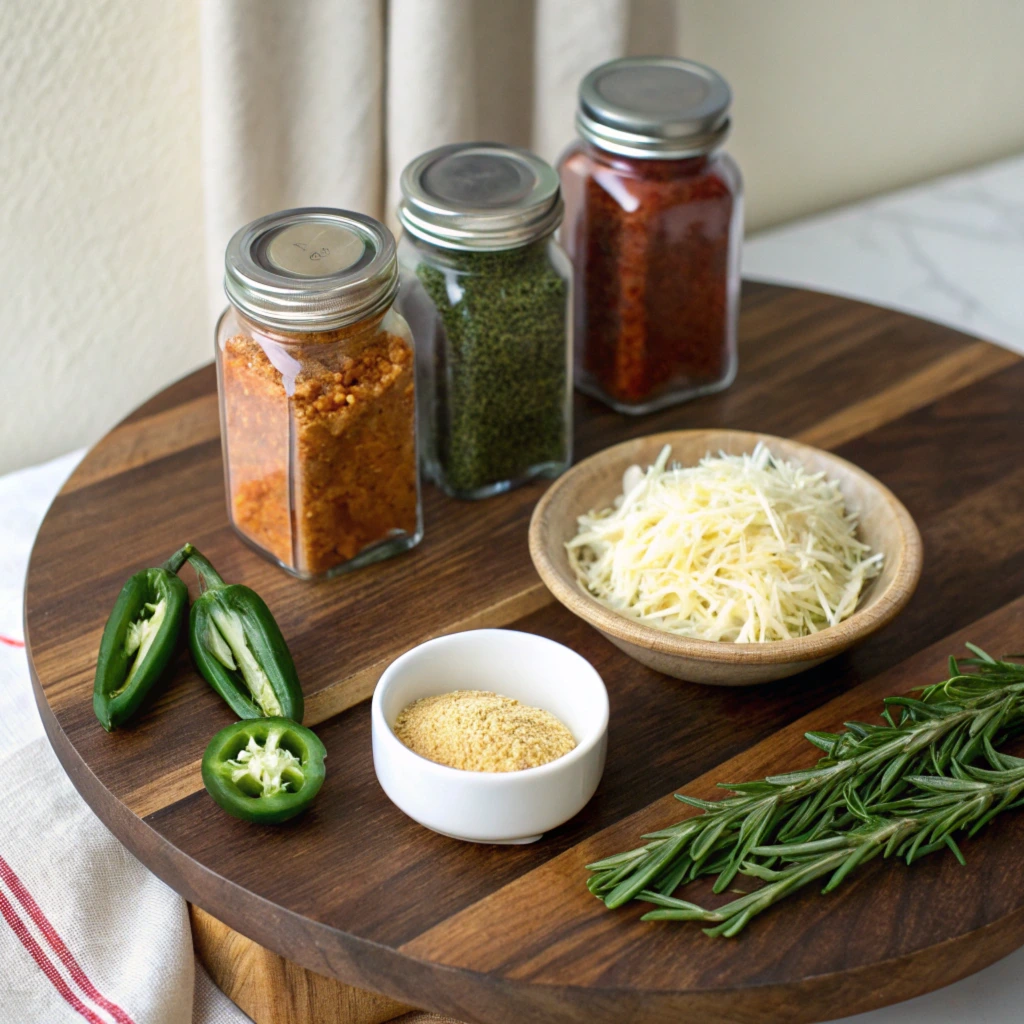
[[653, 223], [315, 374]]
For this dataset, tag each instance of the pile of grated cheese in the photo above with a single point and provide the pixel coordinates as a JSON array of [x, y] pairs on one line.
[[742, 548]]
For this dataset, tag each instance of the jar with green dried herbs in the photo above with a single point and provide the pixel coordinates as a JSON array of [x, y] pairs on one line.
[[486, 290]]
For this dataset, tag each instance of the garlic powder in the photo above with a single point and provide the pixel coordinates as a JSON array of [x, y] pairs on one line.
[[480, 731]]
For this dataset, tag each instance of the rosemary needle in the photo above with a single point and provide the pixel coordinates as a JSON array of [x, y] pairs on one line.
[[912, 828], [875, 787]]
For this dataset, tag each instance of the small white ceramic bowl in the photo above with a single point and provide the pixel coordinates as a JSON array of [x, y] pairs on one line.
[[493, 807]]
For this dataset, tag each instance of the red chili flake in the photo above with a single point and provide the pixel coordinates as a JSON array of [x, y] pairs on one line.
[[655, 245]]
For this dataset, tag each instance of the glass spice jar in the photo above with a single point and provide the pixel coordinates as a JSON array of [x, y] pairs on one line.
[[315, 373], [487, 291], [654, 225]]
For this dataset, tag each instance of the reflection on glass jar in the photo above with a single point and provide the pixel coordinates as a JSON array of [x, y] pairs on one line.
[[316, 385], [654, 227]]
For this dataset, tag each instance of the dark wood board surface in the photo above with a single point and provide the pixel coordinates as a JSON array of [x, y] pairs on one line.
[[355, 890]]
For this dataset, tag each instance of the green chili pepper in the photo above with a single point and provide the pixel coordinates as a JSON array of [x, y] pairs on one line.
[[239, 648], [139, 640], [265, 770]]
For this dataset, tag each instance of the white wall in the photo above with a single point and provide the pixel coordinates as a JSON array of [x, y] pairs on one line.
[[101, 261], [840, 99], [103, 301]]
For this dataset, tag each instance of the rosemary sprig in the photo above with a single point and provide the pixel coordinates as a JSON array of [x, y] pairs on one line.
[[957, 721], [917, 825]]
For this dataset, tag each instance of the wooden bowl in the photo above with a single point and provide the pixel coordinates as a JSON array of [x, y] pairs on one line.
[[884, 524]]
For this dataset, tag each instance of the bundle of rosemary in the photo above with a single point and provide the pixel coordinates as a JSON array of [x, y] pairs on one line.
[[931, 768]]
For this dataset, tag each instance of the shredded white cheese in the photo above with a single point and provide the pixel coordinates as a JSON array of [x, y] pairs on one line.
[[743, 548]]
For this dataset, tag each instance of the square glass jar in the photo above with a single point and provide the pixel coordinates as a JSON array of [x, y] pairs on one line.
[[316, 383]]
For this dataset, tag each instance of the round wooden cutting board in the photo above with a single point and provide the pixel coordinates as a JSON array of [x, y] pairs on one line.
[[355, 891]]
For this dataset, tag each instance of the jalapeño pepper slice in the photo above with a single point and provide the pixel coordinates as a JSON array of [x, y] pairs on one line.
[[265, 770], [139, 639], [239, 649]]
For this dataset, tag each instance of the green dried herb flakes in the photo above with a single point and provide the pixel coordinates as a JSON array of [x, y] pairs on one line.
[[502, 374]]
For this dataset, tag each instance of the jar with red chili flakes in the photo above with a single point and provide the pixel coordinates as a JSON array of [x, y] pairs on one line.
[[653, 224]]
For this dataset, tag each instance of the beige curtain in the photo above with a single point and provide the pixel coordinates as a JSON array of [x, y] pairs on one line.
[[322, 102]]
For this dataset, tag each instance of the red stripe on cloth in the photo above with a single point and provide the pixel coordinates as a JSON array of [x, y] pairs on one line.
[[10, 915], [10, 641], [56, 943]]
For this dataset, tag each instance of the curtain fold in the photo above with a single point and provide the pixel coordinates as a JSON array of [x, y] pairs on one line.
[[571, 38], [292, 112], [431, 83], [323, 102]]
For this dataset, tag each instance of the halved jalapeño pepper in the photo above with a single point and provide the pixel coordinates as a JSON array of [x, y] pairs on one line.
[[239, 648], [265, 770], [139, 639]]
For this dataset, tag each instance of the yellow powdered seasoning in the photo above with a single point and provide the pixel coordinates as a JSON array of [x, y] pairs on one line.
[[479, 731]]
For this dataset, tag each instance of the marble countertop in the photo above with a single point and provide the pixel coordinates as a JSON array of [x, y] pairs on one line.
[[950, 250]]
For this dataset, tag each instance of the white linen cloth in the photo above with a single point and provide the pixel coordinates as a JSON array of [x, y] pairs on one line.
[[86, 932]]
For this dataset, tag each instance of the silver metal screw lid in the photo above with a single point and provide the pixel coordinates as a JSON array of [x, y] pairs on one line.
[[311, 269], [479, 196], [654, 107]]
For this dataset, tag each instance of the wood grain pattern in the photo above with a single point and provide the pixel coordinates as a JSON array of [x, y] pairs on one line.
[[138, 442], [355, 891], [883, 524], [955, 371]]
